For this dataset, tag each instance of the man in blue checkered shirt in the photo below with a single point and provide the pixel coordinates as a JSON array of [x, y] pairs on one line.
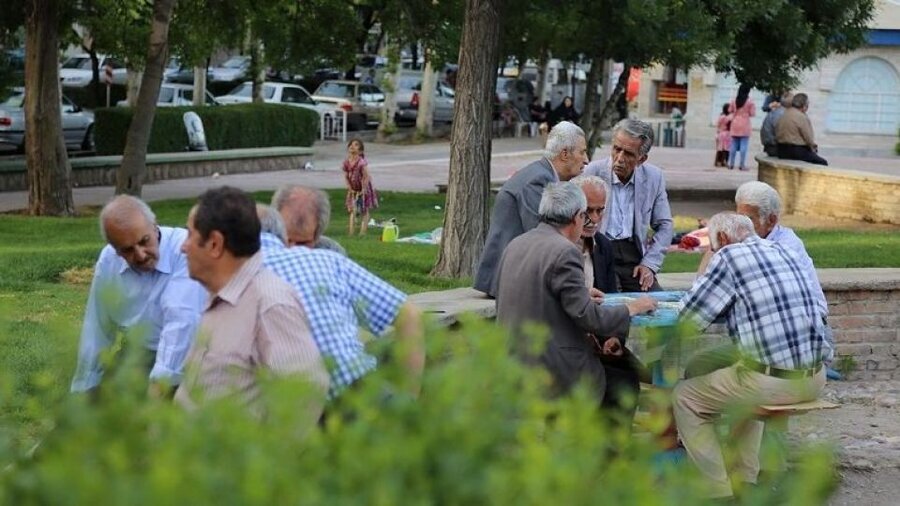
[[339, 296], [761, 290]]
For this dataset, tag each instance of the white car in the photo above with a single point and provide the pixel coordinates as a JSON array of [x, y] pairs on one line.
[[177, 95], [233, 69], [76, 71], [278, 93]]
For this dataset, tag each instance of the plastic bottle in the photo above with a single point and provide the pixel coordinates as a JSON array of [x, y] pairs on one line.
[[391, 232]]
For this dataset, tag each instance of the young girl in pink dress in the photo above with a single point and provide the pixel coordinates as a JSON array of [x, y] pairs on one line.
[[361, 194], [723, 137]]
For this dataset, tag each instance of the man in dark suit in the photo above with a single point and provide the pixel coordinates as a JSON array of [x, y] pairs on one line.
[[516, 208], [637, 204], [541, 280]]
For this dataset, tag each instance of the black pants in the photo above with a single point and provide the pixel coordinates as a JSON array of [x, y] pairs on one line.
[[795, 152], [626, 257], [623, 376]]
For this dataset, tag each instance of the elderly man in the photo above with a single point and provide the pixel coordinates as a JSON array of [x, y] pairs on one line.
[[596, 248], [794, 133], [516, 207], [541, 280], [637, 204], [253, 322], [306, 213], [141, 287], [767, 131], [340, 296], [771, 313]]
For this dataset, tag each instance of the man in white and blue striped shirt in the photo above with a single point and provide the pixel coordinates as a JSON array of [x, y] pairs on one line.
[[761, 290], [340, 296]]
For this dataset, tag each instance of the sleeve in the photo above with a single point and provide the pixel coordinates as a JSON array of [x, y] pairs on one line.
[[97, 332], [711, 295], [182, 304], [663, 228], [529, 200], [806, 132], [566, 281], [375, 302]]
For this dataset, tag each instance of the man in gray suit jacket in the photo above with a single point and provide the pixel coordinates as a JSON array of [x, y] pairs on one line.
[[516, 207], [541, 280], [637, 203]]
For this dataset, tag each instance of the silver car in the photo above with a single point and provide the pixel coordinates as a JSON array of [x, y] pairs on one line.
[[77, 124], [363, 102], [408, 96]]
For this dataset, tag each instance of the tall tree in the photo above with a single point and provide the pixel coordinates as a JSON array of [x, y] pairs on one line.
[[49, 171], [130, 177], [466, 217]]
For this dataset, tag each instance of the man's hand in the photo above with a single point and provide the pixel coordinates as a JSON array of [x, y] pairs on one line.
[[596, 295], [645, 276], [641, 306], [612, 347]]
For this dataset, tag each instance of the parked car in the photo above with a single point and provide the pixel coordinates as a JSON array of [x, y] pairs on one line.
[[177, 95], [77, 124], [362, 102], [235, 68], [278, 93], [408, 96], [76, 71]]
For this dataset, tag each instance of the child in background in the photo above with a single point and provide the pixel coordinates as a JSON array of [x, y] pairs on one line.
[[723, 137], [361, 194]]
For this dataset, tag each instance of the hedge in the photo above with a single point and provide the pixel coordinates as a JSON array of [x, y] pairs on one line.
[[226, 127]]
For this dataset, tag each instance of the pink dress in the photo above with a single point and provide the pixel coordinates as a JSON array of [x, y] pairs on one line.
[[723, 133], [368, 199], [740, 123]]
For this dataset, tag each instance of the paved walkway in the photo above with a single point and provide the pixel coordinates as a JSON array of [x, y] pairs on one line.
[[421, 167]]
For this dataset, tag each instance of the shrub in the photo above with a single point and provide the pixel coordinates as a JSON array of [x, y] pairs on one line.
[[226, 127]]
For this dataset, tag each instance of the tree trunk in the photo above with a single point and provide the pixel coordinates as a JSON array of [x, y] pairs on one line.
[[425, 116], [134, 86], [590, 96], [130, 177], [466, 218], [609, 106], [257, 70], [48, 169], [387, 126], [199, 86], [542, 76]]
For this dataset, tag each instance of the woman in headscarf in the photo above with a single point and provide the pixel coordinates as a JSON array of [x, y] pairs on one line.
[[564, 112], [741, 110]]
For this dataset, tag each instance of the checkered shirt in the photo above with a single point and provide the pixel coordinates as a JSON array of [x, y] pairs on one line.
[[339, 296], [761, 290]]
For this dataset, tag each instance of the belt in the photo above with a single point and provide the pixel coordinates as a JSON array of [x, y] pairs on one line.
[[780, 373]]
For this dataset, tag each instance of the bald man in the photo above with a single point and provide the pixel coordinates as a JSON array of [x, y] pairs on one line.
[[306, 213], [141, 290]]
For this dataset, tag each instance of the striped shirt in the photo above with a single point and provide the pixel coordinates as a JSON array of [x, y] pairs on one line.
[[254, 323], [760, 288], [339, 296], [621, 216]]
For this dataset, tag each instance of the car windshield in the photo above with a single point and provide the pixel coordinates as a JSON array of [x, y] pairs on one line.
[[246, 90], [234, 63], [78, 62], [338, 90], [166, 95], [16, 100], [410, 83]]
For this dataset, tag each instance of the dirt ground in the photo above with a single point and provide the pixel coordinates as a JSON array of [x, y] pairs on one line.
[[865, 432]]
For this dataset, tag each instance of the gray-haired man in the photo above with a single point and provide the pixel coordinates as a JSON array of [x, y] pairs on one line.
[[637, 204], [306, 213]]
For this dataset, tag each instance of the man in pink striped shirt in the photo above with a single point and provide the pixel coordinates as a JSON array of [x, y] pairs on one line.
[[253, 322]]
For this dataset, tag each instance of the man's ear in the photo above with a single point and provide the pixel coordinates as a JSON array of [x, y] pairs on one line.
[[642, 160], [722, 239], [216, 244]]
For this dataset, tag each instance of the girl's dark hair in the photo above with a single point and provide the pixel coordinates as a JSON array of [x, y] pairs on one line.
[[725, 109], [742, 95], [362, 147]]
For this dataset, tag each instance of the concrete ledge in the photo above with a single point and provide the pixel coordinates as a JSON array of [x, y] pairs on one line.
[[821, 191], [101, 170]]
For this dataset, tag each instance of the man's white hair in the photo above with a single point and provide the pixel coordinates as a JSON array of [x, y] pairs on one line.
[[120, 209], [589, 180], [563, 136], [560, 202], [736, 227], [761, 196]]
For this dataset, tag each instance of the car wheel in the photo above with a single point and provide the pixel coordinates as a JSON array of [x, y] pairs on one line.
[[88, 143]]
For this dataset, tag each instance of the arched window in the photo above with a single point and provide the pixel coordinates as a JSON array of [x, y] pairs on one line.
[[726, 91], [865, 98]]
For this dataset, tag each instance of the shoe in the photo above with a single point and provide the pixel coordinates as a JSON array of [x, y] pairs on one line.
[[744, 168], [730, 168]]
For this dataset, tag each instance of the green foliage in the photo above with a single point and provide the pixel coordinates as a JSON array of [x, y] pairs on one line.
[[481, 432], [117, 27], [231, 127]]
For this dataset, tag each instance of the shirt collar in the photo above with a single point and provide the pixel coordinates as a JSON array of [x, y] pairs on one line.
[[553, 169], [235, 287], [270, 241], [165, 260]]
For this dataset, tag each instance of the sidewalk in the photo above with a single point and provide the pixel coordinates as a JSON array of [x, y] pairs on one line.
[[419, 168]]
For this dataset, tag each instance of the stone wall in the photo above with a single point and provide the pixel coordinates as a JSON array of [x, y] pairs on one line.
[[830, 192]]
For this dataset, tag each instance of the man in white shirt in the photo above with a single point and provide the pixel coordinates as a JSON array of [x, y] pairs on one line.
[[140, 289]]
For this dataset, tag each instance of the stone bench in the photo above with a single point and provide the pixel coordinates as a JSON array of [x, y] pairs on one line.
[[101, 170]]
